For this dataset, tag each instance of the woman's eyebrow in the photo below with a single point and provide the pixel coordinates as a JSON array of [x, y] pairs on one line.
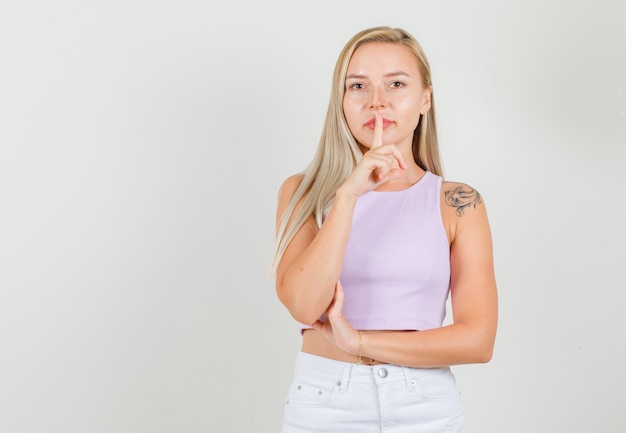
[[388, 74], [397, 73]]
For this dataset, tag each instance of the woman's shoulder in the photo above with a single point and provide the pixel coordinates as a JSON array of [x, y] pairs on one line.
[[461, 206], [290, 185], [462, 209], [460, 197], [288, 190], [293, 181]]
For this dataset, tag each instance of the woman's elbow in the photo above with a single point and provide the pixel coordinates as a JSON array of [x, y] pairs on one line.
[[478, 346], [484, 350], [484, 356], [301, 309], [303, 315]]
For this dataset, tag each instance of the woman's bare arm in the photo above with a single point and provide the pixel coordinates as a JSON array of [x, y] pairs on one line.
[[312, 262]]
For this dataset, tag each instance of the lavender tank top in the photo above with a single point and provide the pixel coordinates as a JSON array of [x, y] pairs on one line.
[[396, 269]]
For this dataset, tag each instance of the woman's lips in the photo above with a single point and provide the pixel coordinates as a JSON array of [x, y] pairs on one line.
[[371, 124]]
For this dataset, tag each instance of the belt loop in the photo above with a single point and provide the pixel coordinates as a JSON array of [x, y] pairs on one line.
[[409, 381], [345, 379]]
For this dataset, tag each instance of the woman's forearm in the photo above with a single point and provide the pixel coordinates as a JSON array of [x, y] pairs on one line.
[[308, 284], [460, 343]]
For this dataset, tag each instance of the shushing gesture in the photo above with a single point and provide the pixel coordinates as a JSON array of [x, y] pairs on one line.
[[380, 164]]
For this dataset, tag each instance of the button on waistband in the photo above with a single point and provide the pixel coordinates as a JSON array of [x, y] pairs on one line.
[[382, 372]]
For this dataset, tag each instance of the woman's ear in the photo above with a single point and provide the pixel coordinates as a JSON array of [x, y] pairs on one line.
[[426, 100]]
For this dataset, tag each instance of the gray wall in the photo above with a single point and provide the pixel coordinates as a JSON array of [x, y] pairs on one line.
[[142, 145]]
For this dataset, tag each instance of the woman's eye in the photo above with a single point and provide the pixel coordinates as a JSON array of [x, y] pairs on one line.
[[397, 84], [357, 86]]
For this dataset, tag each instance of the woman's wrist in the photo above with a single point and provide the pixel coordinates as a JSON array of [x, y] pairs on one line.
[[361, 351], [343, 195]]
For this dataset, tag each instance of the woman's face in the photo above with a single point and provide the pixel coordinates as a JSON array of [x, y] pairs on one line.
[[384, 78]]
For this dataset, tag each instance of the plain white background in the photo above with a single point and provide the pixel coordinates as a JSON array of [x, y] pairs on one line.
[[142, 145]]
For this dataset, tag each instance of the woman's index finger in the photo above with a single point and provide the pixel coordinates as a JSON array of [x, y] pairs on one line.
[[378, 131]]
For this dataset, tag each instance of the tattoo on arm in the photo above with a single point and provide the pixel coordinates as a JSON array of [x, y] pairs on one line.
[[461, 198]]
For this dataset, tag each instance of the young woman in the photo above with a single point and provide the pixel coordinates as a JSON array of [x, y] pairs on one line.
[[370, 242]]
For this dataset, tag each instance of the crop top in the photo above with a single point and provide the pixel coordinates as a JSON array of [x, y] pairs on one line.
[[396, 269]]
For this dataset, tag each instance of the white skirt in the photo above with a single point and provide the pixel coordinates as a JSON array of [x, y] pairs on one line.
[[332, 396]]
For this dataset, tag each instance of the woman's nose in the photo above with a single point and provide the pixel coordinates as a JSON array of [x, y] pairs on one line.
[[377, 99]]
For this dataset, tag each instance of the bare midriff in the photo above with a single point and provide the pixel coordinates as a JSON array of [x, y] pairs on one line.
[[314, 343]]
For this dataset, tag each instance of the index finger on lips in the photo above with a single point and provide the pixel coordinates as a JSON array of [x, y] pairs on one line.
[[378, 131]]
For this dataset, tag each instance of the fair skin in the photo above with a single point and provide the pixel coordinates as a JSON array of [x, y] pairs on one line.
[[383, 100]]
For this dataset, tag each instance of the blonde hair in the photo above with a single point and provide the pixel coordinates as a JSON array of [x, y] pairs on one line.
[[338, 152]]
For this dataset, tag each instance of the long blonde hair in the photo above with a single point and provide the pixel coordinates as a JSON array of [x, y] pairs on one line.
[[338, 152]]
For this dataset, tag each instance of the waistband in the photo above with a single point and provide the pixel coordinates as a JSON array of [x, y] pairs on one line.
[[346, 372]]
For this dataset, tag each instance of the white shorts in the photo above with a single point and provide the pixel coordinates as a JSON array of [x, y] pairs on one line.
[[329, 396]]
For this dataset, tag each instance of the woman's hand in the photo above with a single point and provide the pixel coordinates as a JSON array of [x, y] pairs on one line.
[[380, 164], [336, 328]]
